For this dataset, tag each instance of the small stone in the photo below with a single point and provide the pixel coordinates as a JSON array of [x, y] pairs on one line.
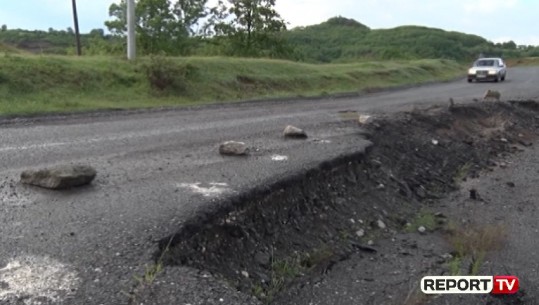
[[380, 224], [380, 186], [503, 140], [60, 177], [245, 274], [233, 148], [435, 142], [422, 229], [446, 256], [360, 233], [352, 221], [294, 132], [370, 243], [510, 184], [503, 164], [439, 215]]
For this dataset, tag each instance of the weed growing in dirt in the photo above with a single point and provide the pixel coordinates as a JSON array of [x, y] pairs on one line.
[[284, 271], [424, 219], [455, 265], [148, 278], [474, 242], [462, 173]]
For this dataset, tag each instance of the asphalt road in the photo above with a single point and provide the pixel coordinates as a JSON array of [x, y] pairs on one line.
[[155, 169]]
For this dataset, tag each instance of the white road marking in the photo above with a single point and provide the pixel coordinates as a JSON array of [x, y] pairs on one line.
[[213, 188], [323, 141], [279, 158], [34, 278]]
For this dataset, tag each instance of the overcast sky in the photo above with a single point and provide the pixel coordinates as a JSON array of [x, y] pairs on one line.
[[496, 20]]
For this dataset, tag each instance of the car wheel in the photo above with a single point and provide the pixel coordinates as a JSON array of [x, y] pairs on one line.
[[497, 79], [503, 78], [470, 80]]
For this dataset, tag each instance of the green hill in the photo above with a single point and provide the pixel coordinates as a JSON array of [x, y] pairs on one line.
[[59, 42], [342, 39], [336, 40]]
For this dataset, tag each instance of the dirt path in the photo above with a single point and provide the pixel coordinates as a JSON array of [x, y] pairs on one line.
[[506, 212]]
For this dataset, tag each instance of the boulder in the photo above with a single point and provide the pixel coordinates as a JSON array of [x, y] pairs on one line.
[[294, 132], [233, 148], [60, 177]]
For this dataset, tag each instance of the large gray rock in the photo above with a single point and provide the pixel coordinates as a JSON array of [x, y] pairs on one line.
[[232, 148], [59, 177], [294, 132]]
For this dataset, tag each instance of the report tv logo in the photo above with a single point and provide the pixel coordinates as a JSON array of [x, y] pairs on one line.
[[498, 284]]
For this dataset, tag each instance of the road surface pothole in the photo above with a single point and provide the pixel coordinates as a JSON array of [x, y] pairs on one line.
[[294, 231], [33, 280]]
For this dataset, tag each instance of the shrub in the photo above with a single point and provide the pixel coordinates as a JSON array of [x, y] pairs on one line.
[[164, 75]]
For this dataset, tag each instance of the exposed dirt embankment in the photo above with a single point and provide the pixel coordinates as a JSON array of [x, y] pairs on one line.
[[301, 227]]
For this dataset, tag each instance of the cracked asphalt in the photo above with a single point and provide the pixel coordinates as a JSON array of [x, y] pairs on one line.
[[155, 170]]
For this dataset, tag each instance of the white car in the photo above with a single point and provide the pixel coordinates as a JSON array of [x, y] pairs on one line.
[[487, 69]]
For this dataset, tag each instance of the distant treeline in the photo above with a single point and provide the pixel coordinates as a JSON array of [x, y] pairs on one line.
[[252, 28]]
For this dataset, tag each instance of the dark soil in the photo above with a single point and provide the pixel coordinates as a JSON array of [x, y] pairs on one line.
[[299, 229]]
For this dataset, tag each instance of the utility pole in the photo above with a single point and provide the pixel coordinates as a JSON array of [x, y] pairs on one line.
[[76, 21], [131, 43]]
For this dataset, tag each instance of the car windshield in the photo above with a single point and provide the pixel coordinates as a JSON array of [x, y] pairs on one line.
[[485, 63]]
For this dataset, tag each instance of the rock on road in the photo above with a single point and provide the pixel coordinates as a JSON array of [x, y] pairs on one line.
[[157, 168]]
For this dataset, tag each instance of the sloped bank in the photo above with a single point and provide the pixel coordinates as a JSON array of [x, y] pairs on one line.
[[284, 234]]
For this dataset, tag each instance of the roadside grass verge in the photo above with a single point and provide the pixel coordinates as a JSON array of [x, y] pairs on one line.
[[525, 61], [42, 84]]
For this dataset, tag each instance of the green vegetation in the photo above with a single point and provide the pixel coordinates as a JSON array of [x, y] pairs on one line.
[[253, 28], [285, 271], [340, 39], [473, 242], [355, 58], [424, 219], [37, 84], [462, 172]]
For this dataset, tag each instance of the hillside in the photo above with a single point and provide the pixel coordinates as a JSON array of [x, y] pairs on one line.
[[342, 39], [336, 40], [59, 42]]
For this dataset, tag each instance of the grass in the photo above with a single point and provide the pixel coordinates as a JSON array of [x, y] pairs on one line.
[[284, 271], [424, 219], [462, 172], [526, 61], [474, 242], [32, 84]]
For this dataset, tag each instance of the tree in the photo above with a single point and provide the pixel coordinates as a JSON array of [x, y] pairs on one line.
[[97, 33], [251, 26], [4, 27], [161, 25]]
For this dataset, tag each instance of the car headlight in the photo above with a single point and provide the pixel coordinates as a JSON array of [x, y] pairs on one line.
[[471, 71], [492, 72]]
